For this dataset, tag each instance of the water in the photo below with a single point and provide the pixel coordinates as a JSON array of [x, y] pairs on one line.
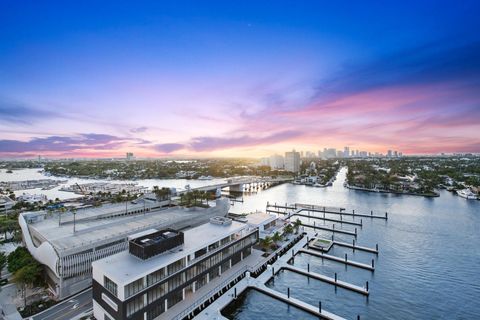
[[33, 174], [429, 261], [253, 304], [428, 266]]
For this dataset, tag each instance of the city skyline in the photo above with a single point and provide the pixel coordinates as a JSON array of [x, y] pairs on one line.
[[96, 80]]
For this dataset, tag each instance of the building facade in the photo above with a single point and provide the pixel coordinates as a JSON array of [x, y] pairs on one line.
[[67, 255], [292, 161], [135, 285]]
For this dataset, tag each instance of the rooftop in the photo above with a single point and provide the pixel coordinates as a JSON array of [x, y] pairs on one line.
[[93, 231], [260, 218], [124, 268]]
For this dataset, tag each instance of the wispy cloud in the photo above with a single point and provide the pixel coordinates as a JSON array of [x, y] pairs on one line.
[[16, 112], [57, 144]]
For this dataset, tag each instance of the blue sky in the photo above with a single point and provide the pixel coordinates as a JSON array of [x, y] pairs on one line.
[[226, 79]]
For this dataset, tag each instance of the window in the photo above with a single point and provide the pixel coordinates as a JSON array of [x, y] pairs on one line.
[[174, 282], [157, 292], [213, 246], [110, 285], [177, 265], [200, 252], [156, 276], [156, 311], [175, 298], [134, 305], [134, 287]]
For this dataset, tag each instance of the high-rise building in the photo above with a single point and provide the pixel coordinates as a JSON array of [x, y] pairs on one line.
[[346, 152], [292, 161], [276, 162], [130, 156], [389, 153], [395, 154]]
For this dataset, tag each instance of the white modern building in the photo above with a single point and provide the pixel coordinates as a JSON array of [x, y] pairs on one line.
[[68, 244], [292, 161], [164, 267]]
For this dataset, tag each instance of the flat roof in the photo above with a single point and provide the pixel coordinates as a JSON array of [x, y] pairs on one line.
[[94, 231], [123, 267], [260, 218]]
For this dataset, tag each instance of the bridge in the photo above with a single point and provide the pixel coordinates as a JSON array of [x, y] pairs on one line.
[[241, 184]]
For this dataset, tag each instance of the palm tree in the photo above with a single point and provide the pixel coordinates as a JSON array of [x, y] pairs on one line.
[[277, 237], [297, 225], [266, 242], [288, 229]]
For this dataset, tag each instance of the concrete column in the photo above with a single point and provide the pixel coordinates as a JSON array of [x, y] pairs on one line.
[[219, 270], [183, 294], [193, 286], [166, 305], [208, 277]]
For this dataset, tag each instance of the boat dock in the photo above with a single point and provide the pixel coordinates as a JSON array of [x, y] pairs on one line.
[[322, 255], [330, 210], [341, 221], [355, 247], [333, 281], [343, 231]]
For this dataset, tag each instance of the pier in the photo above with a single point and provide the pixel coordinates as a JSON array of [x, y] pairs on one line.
[[317, 217], [330, 210], [322, 255], [355, 247], [343, 231], [326, 279]]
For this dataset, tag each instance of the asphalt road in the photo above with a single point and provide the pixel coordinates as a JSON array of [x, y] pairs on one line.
[[68, 309]]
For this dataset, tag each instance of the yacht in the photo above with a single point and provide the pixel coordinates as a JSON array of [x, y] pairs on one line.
[[467, 194], [205, 178]]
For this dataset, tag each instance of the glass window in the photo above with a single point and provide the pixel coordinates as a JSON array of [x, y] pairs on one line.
[[134, 287], [110, 285], [134, 305], [156, 276]]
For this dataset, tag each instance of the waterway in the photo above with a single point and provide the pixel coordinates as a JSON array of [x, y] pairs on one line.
[[428, 266], [34, 174]]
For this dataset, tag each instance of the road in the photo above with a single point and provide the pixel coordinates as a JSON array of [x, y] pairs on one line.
[[68, 309]]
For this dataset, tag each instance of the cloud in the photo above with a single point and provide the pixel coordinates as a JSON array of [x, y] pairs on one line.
[[139, 129], [20, 113], [63, 143], [214, 143], [169, 147]]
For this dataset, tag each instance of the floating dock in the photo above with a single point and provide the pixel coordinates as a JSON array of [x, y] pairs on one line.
[[326, 279], [322, 255]]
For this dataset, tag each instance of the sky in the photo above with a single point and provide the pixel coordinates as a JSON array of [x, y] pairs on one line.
[[237, 78]]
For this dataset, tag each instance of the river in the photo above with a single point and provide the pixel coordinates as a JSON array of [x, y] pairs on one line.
[[428, 266]]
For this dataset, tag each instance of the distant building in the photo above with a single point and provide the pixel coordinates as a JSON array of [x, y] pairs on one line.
[[5, 204], [276, 162], [130, 156], [389, 153], [346, 152], [292, 161]]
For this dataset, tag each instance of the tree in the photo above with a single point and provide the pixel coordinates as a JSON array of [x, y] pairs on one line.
[[277, 237], [28, 275], [3, 262], [297, 225], [288, 229], [19, 258], [266, 242]]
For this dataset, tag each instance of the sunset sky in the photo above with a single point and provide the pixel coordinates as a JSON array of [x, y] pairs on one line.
[[238, 78]]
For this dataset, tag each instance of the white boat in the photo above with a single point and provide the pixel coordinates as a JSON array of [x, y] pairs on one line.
[[467, 194], [205, 178]]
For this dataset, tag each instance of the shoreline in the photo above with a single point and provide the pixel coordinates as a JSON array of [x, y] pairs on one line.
[[435, 195]]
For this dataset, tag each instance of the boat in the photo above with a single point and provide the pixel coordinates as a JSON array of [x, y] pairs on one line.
[[467, 194], [318, 185], [205, 178]]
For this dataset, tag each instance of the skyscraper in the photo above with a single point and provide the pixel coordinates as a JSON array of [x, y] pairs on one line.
[[292, 161]]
